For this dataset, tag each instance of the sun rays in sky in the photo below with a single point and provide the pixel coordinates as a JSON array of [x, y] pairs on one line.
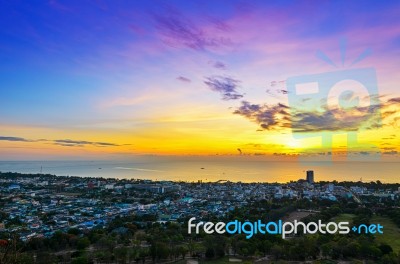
[[97, 79]]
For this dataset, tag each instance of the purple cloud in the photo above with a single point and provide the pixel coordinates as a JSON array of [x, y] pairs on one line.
[[183, 79], [226, 86], [275, 117], [219, 65], [179, 30], [268, 117]]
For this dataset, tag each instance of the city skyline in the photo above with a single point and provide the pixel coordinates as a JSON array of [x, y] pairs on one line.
[[99, 80]]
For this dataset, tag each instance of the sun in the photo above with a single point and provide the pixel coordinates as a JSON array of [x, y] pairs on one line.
[[293, 143]]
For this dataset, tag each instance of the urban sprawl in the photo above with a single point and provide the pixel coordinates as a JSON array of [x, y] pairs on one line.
[[39, 205]]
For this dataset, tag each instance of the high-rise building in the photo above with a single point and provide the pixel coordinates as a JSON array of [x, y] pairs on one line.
[[310, 176]]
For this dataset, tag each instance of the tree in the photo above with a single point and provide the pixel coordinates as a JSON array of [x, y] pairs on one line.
[[83, 243], [159, 250], [326, 250], [183, 250], [9, 249], [80, 260], [385, 249], [74, 231], [210, 253], [120, 254], [352, 250], [276, 251], [264, 246]]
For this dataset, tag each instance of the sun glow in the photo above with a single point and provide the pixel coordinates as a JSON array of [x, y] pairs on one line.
[[293, 143]]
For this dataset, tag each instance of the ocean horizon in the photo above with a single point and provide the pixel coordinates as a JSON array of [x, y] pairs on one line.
[[193, 169]]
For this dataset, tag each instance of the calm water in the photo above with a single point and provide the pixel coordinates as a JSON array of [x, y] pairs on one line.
[[211, 169]]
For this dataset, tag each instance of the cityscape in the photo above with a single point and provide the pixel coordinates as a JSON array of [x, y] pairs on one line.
[[41, 207], [44, 204]]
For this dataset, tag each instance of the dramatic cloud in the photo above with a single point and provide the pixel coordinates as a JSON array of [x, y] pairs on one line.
[[183, 79], [268, 117], [80, 143], [390, 112], [13, 139], [226, 86], [336, 119], [179, 30], [62, 142], [275, 117]]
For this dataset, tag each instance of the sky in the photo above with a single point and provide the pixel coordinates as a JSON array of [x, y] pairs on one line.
[[102, 79]]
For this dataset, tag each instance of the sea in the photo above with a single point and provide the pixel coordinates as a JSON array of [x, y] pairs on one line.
[[212, 169]]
